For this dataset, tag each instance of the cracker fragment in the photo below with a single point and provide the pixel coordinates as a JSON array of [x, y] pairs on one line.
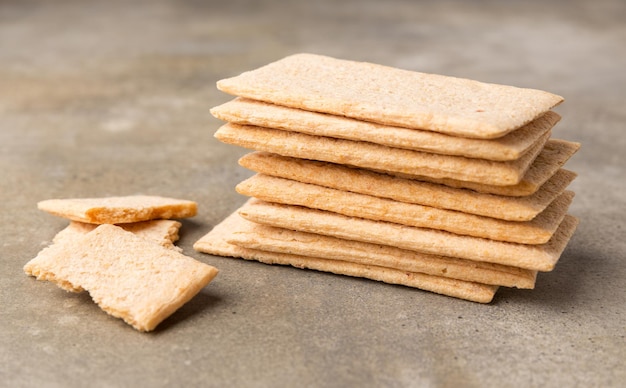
[[409, 190], [118, 210], [510, 147], [251, 235], [392, 96], [215, 243], [378, 157], [127, 276], [290, 192], [542, 257], [163, 232]]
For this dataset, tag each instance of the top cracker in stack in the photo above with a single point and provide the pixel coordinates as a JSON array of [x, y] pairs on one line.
[[376, 158]]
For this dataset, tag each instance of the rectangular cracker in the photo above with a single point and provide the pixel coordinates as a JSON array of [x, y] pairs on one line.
[[409, 190], [163, 232], [510, 147], [289, 192], [533, 257], [390, 96], [119, 210], [554, 155], [251, 235], [378, 157], [127, 276], [215, 243]]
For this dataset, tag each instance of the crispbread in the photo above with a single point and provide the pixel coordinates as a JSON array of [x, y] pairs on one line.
[[378, 157], [118, 210], [163, 232], [290, 192], [553, 156], [214, 243], [251, 235], [392, 96], [408, 190], [534, 257], [510, 147], [127, 276]]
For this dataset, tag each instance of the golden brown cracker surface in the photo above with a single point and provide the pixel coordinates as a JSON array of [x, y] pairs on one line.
[[378, 157], [409, 190], [541, 257], [510, 147], [391, 96]]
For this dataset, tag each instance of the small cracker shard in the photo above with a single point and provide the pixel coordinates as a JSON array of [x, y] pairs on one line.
[[128, 276], [118, 210]]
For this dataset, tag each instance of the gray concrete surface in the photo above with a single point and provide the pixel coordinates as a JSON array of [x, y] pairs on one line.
[[113, 97]]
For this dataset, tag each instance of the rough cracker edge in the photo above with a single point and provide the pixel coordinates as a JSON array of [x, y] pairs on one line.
[[541, 258], [144, 229], [79, 209], [409, 190], [272, 83], [213, 243], [244, 111], [289, 192], [381, 158]]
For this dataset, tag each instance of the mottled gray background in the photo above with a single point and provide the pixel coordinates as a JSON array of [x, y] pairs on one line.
[[113, 98]]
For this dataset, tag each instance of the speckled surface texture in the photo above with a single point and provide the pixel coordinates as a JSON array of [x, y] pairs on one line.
[[113, 98]]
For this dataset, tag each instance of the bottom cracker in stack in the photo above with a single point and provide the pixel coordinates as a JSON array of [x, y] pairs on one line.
[[392, 253]]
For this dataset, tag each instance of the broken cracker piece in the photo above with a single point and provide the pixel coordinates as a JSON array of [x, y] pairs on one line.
[[118, 210], [127, 276]]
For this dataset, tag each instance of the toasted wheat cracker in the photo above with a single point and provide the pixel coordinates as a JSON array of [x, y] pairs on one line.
[[409, 190], [392, 96], [554, 155], [119, 210], [127, 276], [378, 157], [163, 232], [510, 147], [541, 257], [214, 243], [251, 235], [285, 191]]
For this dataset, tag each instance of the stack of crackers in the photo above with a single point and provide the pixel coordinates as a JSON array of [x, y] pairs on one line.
[[443, 184], [121, 250]]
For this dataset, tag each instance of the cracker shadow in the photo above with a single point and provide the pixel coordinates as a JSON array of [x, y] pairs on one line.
[[562, 286], [201, 303]]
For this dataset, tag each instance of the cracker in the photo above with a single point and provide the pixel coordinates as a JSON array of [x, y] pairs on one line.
[[392, 96], [541, 257], [510, 147], [127, 276], [553, 156], [214, 243], [378, 157], [251, 235], [118, 210], [408, 190], [163, 232], [290, 192]]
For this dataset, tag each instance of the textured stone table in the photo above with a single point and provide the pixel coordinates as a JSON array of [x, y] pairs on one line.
[[113, 98]]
